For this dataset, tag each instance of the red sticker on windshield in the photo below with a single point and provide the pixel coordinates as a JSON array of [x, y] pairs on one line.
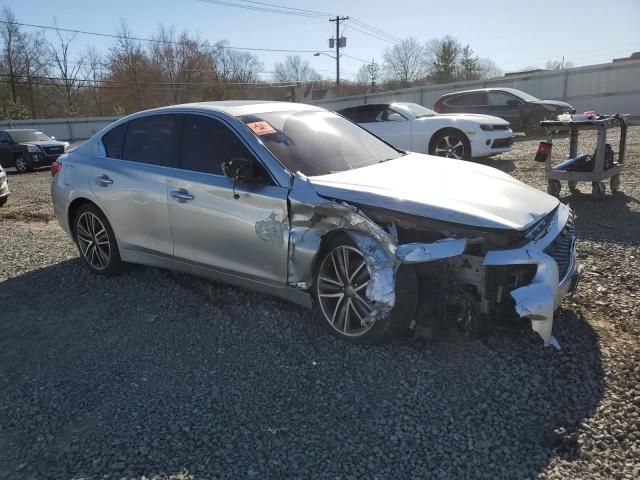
[[261, 128]]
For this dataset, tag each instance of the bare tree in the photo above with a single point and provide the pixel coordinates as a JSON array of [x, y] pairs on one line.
[[95, 75], [13, 59], [487, 68], [236, 65], [369, 74], [295, 69], [558, 65], [70, 74], [406, 61], [183, 61]]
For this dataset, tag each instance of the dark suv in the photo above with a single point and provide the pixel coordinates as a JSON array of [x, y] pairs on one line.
[[28, 148], [523, 111]]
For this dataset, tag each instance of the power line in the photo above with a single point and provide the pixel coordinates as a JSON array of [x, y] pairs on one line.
[[376, 31], [373, 35], [154, 40], [280, 10], [284, 7]]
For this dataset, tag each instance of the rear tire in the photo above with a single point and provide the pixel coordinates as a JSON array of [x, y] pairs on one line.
[[96, 241], [340, 295]]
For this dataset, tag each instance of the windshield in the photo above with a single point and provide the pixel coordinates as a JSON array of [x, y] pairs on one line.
[[418, 110], [520, 94], [317, 142], [28, 136]]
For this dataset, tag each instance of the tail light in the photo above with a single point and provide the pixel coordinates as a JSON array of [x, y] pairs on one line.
[[436, 107], [544, 150], [55, 168]]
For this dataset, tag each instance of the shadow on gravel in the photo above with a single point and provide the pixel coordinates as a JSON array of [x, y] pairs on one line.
[[506, 166], [614, 218], [140, 375]]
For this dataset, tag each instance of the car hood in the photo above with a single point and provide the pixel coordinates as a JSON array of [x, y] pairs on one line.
[[442, 189], [555, 103], [474, 117]]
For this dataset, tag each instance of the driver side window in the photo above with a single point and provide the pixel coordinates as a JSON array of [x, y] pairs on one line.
[[4, 138], [207, 142], [388, 115]]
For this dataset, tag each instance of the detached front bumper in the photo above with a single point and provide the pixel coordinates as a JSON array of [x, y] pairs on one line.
[[554, 277]]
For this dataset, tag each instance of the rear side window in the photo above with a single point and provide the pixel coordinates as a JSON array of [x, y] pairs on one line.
[[499, 99], [206, 143], [363, 115], [469, 99], [151, 139], [113, 141]]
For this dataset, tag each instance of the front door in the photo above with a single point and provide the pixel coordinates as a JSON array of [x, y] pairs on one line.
[[239, 229]]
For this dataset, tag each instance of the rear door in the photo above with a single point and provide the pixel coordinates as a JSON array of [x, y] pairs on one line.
[[474, 102], [130, 182], [233, 227]]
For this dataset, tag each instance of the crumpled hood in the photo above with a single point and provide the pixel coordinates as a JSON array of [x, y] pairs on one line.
[[440, 188], [475, 117]]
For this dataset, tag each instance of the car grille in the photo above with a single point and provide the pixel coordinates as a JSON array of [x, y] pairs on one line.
[[502, 142], [54, 150], [561, 248]]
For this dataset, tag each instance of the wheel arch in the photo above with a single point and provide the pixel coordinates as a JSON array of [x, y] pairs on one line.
[[443, 130], [72, 210]]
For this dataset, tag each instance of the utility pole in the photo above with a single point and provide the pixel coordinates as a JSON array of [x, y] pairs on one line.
[[374, 70], [338, 42]]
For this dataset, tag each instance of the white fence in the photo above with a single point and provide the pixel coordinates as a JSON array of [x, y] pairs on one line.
[[63, 128], [607, 88]]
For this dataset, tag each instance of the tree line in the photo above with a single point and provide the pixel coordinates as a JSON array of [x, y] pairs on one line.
[[52, 76]]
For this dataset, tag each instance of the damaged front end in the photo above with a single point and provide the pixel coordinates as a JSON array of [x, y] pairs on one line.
[[487, 273], [312, 217]]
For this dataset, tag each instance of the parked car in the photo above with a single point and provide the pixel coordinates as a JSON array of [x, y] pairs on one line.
[[523, 111], [299, 202], [414, 128], [27, 148], [4, 187]]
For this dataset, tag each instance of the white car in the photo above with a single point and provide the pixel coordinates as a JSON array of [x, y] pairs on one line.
[[4, 187], [415, 128]]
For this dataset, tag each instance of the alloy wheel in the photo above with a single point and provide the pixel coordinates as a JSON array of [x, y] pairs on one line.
[[93, 240], [21, 164], [450, 146], [341, 286]]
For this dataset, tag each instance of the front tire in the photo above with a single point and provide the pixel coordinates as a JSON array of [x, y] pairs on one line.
[[340, 281], [96, 241], [450, 144], [3, 200]]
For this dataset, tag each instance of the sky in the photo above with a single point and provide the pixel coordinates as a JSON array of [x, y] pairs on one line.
[[514, 34]]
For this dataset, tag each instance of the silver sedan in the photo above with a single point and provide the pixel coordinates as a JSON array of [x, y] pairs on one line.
[[298, 202]]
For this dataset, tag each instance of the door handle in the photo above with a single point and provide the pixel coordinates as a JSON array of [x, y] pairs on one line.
[[181, 195], [104, 180]]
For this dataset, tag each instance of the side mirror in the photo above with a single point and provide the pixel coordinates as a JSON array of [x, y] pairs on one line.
[[513, 103], [395, 117], [238, 168]]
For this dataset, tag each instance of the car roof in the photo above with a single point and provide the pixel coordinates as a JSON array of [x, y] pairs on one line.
[[238, 108], [483, 90]]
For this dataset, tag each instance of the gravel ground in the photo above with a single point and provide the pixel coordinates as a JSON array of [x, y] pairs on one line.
[[157, 375]]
